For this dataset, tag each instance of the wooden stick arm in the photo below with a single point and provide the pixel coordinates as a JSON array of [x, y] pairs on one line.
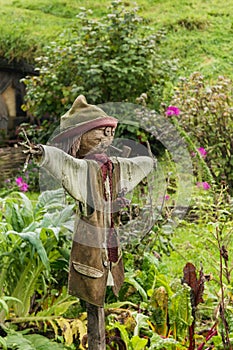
[[30, 147], [34, 150], [30, 150]]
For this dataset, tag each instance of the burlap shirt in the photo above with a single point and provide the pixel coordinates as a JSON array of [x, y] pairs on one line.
[[90, 268]]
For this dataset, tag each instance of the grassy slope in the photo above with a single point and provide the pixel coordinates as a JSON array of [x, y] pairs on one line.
[[199, 32], [27, 25]]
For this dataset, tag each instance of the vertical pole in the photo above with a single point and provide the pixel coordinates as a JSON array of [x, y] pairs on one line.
[[95, 327]]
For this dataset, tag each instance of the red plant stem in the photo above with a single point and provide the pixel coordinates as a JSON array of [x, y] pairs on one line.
[[211, 334], [191, 337]]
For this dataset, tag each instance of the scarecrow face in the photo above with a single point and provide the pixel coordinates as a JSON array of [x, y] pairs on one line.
[[96, 140]]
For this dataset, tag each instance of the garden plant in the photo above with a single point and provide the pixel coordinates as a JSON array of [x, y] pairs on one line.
[[177, 292]]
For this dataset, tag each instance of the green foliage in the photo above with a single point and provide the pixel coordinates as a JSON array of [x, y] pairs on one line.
[[28, 26], [115, 58], [168, 343], [164, 304], [19, 341], [180, 311], [198, 33], [157, 306], [32, 242], [206, 241], [66, 330], [35, 239], [4, 308], [206, 115]]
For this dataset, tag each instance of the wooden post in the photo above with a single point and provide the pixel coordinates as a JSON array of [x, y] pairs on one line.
[[95, 327]]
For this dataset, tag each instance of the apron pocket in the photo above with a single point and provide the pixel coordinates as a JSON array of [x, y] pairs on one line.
[[87, 270]]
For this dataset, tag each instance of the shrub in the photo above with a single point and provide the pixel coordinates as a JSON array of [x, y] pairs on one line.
[[207, 116], [33, 244], [111, 59]]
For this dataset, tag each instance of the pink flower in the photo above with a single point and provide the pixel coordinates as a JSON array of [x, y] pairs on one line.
[[19, 181], [23, 187], [202, 152], [193, 154], [167, 197], [172, 110], [204, 185]]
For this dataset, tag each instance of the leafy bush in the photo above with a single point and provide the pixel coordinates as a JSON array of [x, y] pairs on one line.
[[112, 59], [207, 116], [160, 309], [33, 246], [34, 257]]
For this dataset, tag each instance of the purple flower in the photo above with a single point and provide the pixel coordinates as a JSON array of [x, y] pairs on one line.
[[204, 185], [172, 110], [202, 152]]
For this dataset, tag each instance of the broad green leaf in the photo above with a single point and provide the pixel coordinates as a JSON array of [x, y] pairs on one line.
[[141, 323], [4, 306], [50, 199], [157, 342], [25, 286], [3, 344], [131, 280], [40, 342], [17, 339], [138, 343], [124, 334], [119, 305], [11, 299], [26, 209], [35, 241], [59, 218], [61, 308], [13, 216], [32, 227], [153, 261]]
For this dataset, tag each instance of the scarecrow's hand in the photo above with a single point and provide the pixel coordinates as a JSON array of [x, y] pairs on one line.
[[31, 150]]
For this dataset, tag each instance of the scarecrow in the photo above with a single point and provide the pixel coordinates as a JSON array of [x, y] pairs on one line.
[[98, 183]]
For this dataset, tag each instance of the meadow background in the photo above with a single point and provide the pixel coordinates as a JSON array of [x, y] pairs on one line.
[[178, 285]]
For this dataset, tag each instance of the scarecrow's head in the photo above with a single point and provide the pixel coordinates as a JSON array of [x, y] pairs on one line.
[[86, 129]]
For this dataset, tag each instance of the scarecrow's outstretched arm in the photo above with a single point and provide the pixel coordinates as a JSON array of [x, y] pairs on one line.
[[69, 171], [134, 170]]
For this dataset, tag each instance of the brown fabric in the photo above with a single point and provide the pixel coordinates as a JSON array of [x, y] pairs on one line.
[[118, 276], [87, 287], [89, 262]]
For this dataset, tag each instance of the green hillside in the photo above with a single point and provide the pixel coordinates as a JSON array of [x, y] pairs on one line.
[[198, 33]]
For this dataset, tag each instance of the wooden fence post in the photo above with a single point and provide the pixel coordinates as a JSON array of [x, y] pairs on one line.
[[95, 327]]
